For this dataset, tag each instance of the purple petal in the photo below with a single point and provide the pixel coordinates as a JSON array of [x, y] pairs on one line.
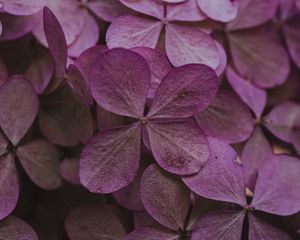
[[107, 120], [40, 160], [13, 228], [181, 47], [221, 178], [221, 225], [152, 234], [22, 7], [184, 92], [110, 160], [259, 57], [64, 119], [165, 197], [253, 96], [158, 71], [227, 118], [253, 13], [120, 82], [220, 10], [18, 107], [277, 189], [223, 59], [255, 151], [288, 9], [143, 219], [93, 223], [260, 230], [69, 170], [178, 147], [3, 72], [295, 134], [3, 144], [174, 1], [9, 186], [56, 41], [130, 31]]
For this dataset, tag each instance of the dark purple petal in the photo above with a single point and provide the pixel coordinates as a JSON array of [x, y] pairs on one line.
[[143, 219], [110, 160], [40, 160], [120, 81], [93, 223], [3, 72], [22, 7], [18, 107], [152, 234], [9, 186], [227, 118], [165, 197], [107, 120], [277, 189], [178, 147], [69, 170], [3, 144]]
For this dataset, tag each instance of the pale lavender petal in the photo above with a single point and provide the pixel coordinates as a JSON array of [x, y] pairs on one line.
[[131, 31], [178, 147], [184, 92], [221, 178], [110, 160], [18, 107], [22, 7], [181, 47], [120, 82], [69, 170], [277, 189], [165, 197], [253, 96], [152, 234]]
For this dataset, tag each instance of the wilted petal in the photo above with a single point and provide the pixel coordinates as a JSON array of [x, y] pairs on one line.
[[221, 178], [277, 188], [253, 96], [13, 228], [40, 160], [110, 160], [259, 57], [120, 81], [221, 225], [165, 197], [181, 47], [69, 170], [22, 7], [152, 234], [184, 92], [130, 31], [94, 223], [9, 186], [18, 107], [227, 118]]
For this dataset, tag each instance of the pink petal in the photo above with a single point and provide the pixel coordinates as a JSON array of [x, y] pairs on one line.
[[40, 160], [178, 147], [9, 186], [220, 10], [165, 197], [277, 189], [3, 72], [181, 47], [221, 178], [227, 118], [259, 57], [22, 7], [120, 82], [13, 228], [18, 107], [152, 234], [93, 223], [253, 96], [221, 225], [184, 92], [130, 31], [110, 160]]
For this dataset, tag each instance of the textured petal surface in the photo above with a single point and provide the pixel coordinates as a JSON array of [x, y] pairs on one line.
[[120, 82], [18, 107], [254, 97], [165, 197], [183, 48], [277, 186], [220, 10], [152, 234], [22, 7], [221, 178], [13, 228], [40, 160], [111, 159], [259, 57], [130, 31], [94, 223], [221, 225], [178, 147], [227, 118], [9, 186]]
